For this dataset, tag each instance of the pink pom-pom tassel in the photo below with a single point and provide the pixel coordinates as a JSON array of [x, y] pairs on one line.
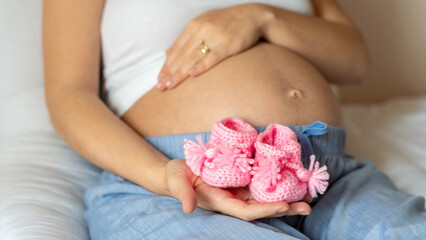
[[267, 174], [195, 154], [318, 180]]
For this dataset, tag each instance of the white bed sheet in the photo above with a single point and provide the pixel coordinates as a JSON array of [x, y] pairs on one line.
[[42, 183], [392, 135]]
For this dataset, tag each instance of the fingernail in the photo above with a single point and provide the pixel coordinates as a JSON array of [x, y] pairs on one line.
[[161, 76], [160, 83], [170, 81], [305, 213]]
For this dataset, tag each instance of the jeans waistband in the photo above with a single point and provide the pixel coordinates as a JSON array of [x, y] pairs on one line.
[[318, 138]]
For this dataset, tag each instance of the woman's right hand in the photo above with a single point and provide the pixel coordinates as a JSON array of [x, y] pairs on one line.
[[192, 191]]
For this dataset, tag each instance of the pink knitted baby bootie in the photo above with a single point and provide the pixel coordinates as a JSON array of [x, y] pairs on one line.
[[225, 161], [278, 172]]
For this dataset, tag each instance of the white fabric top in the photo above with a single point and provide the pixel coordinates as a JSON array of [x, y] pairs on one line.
[[136, 33]]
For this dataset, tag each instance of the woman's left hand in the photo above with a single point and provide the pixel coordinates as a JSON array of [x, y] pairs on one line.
[[225, 31], [301, 207]]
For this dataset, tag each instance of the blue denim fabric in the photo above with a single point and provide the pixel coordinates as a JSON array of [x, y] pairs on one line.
[[360, 202]]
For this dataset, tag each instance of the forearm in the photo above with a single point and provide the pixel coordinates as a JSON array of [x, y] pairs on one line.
[[337, 50], [90, 128]]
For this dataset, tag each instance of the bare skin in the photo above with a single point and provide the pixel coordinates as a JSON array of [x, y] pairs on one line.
[[284, 79], [265, 84]]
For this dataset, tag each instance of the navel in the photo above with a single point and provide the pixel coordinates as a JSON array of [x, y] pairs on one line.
[[295, 94]]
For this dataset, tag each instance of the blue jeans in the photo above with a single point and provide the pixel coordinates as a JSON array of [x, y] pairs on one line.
[[360, 202]]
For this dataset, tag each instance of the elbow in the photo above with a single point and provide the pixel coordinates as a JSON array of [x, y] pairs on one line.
[[361, 61], [57, 101], [362, 68], [354, 71], [51, 101], [356, 67]]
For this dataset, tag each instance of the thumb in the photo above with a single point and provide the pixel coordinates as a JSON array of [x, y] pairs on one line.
[[184, 191], [188, 196]]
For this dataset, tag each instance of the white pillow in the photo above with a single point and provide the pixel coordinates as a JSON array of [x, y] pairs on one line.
[[41, 179], [42, 183], [22, 105]]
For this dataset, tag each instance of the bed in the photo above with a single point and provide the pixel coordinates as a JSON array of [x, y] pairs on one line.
[[42, 180]]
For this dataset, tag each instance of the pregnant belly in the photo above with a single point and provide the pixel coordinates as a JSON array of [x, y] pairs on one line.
[[265, 84]]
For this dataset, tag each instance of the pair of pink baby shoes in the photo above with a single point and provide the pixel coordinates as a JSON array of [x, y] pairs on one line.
[[269, 162]]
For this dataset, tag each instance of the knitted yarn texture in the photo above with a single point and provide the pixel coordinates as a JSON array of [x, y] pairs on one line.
[[269, 162], [278, 172], [225, 161]]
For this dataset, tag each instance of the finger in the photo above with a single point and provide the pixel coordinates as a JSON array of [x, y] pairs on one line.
[[294, 209], [179, 71], [161, 85], [210, 60], [249, 212], [176, 66], [217, 54], [189, 197], [182, 40], [182, 188], [172, 52], [298, 208], [188, 65]]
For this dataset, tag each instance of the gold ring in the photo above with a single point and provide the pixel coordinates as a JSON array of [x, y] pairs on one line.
[[203, 47]]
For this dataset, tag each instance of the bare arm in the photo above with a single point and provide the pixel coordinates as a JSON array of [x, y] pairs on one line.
[[330, 40], [71, 45]]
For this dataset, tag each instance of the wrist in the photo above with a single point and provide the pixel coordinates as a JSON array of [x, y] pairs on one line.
[[154, 178], [163, 186], [265, 16]]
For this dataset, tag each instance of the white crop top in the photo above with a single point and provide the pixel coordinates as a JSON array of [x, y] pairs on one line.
[[136, 33]]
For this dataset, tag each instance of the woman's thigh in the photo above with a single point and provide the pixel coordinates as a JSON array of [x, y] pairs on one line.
[[118, 209], [365, 204]]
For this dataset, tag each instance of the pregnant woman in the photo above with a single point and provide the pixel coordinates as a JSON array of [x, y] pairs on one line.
[[171, 70]]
